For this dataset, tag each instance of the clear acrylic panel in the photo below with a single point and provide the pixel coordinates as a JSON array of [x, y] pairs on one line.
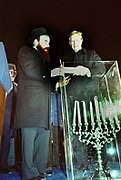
[[91, 106]]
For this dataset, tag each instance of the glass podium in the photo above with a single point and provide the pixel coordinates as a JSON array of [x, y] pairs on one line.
[[91, 112]]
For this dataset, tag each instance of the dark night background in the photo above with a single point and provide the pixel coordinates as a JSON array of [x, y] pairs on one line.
[[100, 22]]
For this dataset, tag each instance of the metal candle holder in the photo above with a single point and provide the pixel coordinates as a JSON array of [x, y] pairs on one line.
[[99, 128]]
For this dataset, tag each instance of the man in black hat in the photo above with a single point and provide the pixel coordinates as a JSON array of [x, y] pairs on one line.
[[32, 109]]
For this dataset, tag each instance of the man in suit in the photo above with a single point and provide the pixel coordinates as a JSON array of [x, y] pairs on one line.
[[83, 86], [32, 109], [87, 64]]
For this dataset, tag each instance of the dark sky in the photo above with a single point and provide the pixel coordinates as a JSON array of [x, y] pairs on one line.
[[100, 22]]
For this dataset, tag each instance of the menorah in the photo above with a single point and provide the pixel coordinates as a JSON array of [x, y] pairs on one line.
[[99, 128], [91, 109]]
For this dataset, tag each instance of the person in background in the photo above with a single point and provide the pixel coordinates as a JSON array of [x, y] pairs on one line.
[[15, 148], [8, 131], [33, 104]]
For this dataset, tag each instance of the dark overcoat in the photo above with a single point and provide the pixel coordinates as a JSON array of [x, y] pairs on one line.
[[83, 86], [32, 106]]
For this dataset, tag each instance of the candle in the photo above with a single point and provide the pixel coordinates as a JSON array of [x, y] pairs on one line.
[[84, 111], [79, 115], [91, 113], [97, 111], [102, 113], [76, 110], [97, 107], [74, 115]]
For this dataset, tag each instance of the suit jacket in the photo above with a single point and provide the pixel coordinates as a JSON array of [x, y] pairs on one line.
[[82, 86], [33, 94], [13, 104]]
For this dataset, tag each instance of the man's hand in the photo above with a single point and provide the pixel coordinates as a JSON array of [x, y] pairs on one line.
[[65, 82], [57, 72], [82, 71], [78, 71]]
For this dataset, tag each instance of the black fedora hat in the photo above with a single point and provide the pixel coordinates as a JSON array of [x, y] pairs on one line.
[[35, 33]]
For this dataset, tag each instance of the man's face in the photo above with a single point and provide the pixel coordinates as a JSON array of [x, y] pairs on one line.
[[75, 42], [12, 75], [44, 42]]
